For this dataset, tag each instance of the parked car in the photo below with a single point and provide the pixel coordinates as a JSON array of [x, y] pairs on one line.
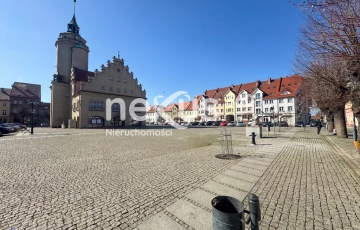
[[195, 123], [10, 128], [240, 124], [249, 122], [0, 134], [215, 123], [4, 130], [299, 124], [231, 123], [312, 123], [202, 123], [223, 123], [44, 124], [267, 123], [284, 124], [209, 123]]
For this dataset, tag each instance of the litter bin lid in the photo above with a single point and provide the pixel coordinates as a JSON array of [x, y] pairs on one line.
[[227, 204]]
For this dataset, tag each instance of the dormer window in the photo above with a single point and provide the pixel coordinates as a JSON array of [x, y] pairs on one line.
[[289, 84], [295, 83], [282, 85]]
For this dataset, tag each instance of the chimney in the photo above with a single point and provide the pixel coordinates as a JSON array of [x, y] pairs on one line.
[[257, 84], [269, 80]]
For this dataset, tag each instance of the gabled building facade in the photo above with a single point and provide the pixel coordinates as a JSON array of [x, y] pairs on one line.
[[5, 105], [78, 96]]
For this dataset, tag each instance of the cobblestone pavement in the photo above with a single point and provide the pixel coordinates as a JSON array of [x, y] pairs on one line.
[[92, 181], [310, 185]]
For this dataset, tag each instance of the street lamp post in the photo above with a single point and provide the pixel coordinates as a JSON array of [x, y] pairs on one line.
[[272, 109], [32, 103]]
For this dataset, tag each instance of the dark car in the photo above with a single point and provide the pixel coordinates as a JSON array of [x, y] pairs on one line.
[[209, 123], [299, 124], [267, 123], [201, 123], [194, 123], [4, 130], [284, 124], [215, 123], [312, 123]]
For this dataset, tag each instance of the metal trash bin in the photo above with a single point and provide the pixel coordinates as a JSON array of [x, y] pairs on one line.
[[227, 213]]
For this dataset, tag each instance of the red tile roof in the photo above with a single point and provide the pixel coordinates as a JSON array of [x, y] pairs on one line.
[[184, 106], [170, 107], [5, 93], [278, 86], [27, 90]]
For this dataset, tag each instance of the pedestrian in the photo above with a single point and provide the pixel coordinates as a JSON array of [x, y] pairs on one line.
[[319, 126]]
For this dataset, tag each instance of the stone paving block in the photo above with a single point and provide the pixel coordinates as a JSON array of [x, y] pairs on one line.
[[192, 215], [252, 171], [240, 184], [160, 222], [246, 177], [223, 190], [202, 197]]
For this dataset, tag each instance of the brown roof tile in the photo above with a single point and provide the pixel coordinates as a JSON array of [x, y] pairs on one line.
[[5, 93], [28, 90]]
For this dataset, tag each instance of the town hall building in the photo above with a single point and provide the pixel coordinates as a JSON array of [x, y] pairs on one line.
[[78, 96]]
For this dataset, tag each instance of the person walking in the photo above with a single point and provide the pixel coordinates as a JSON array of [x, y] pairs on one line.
[[319, 126]]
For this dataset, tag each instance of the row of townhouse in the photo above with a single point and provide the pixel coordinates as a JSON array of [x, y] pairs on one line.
[[282, 99], [15, 107]]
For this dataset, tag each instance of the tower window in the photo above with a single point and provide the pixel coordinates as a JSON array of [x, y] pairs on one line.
[[118, 89], [103, 87], [118, 70], [118, 79], [125, 81], [131, 91], [111, 88], [111, 78], [125, 90]]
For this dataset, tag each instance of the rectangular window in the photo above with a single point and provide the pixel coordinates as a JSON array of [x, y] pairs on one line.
[[131, 91], [118, 89], [266, 101], [244, 109], [103, 87], [111, 78], [281, 100], [125, 81], [125, 90], [249, 108], [249, 101], [290, 108], [290, 100], [239, 102], [222, 110], [244, 102], [15, 101], [271, 102], [4, 112], [281, 109], [4, 103], [111, 88], [238, 109], [243, 95], [257, 96], [266, 110], [96, 105], [258, 111], [118, 79], [20, 102], [257, 103]]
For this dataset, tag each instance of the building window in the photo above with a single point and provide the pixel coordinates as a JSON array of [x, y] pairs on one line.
[[290, 108], [15, 110], [15, 101], [4, 103], [249, 101], [266, 101], [111, 88], [115, 107], [20, 102], [96, 105], [4, 112], [243, 95], [244, 109], [257, 96], [238, 109], [125, 81], [131, 91], [118, 79], [125, 90], [249, 108], [118, 89], [258, 111], [281, 100], [103, 87], [281, 109], [266, 110], [111, 78], [271, 102], [118, 70], [290, 100], [222, 110], [257, 103], [244, 102]]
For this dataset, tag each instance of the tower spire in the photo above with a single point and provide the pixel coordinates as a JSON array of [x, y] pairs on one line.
[[73, 26]]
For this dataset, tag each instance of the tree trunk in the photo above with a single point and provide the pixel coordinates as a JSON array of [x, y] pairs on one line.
[[339, 115], [330, 121]]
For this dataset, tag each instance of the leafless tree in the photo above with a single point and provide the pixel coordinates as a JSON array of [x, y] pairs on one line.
[[329, 54]]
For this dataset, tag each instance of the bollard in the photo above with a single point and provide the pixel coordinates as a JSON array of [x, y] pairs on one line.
[[227, 213], [254, 209], [253, 135]]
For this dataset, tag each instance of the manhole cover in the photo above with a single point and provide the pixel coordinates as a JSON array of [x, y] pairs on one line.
[[228, 156]]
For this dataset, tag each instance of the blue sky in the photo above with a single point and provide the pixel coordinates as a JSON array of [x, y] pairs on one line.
[[170, 45]]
